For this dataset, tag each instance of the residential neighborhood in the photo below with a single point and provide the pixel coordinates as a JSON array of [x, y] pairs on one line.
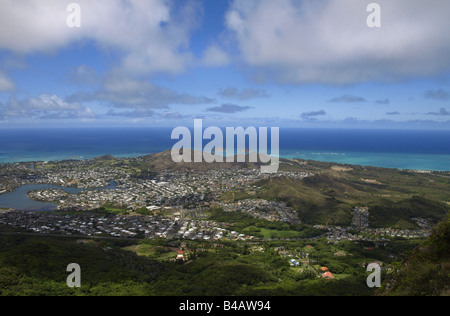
[[108, 198]]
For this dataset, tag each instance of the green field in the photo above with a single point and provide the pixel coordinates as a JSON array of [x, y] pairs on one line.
[[272, 233]]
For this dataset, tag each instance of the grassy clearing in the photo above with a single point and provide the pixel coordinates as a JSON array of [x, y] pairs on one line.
[[151, 251], [271, 233]]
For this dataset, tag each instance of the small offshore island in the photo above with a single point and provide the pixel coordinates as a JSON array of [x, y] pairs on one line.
[[322, 221]]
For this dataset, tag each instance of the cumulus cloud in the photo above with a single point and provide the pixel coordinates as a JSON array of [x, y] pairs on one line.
[[244, 94], [171, 115], [86, 113], [6, 84], [152, 36], [229, 108], [44, 106], [125, 92], [44, 102], [348, 98], [214, 56], [132, 114], [440, 95], [329, 41], [83, 75]]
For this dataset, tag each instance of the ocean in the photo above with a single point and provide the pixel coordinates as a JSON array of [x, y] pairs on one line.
[[401, 149]]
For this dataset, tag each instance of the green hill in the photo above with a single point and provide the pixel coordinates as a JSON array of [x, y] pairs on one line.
[[394, 197], [34, 266], [426, 271], [387, 214]]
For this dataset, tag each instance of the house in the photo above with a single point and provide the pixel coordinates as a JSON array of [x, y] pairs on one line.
[[180, 255], [328, 275]]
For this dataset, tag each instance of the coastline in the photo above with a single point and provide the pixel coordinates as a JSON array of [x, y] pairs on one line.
[[398, 161], [422, 163], [402, 149]]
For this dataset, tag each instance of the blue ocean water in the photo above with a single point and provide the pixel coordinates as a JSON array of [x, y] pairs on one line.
[[402, 149], [26, 145]]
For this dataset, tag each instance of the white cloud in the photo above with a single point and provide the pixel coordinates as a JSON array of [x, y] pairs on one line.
[[133, 114], [244, 94], [44, 102], [214, 56], [123, 92], [6, 84], [329, 41], [83, 75], [46, 107], [151, 35], [31, 25], [85, 113]]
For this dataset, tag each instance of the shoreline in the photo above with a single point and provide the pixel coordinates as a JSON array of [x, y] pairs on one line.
[[286, 156], [401, 149]]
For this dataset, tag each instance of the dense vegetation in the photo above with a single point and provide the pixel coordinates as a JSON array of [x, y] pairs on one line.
[[32, 265], [249, 225], [328, 198], [37, 266], [426, 271], [387, 214]]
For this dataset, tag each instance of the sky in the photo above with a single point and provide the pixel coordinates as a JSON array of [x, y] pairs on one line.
[[272, 63]]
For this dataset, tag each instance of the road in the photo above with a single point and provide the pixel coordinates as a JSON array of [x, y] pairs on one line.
[[67, 236]]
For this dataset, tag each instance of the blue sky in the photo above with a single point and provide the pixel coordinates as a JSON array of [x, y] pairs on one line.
[[279, 63]]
